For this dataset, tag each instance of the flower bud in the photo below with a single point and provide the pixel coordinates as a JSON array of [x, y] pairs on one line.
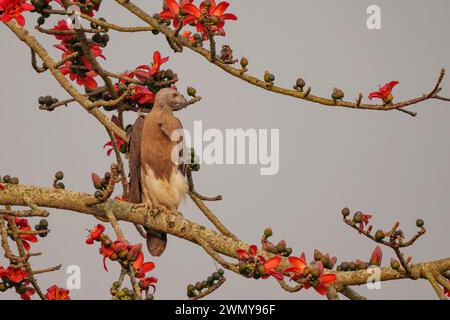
[[420, 223], [244, 62], [345, 212], [134, 252], [268, 232]]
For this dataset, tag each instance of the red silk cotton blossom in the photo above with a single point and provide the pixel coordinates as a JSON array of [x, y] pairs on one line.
[[56, 293], [385, 92], [13, 9]]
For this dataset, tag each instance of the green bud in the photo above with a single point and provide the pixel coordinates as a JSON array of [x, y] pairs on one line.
[[191, 91], [357, 217], [268, 232], [395, 264], [59, 175], [379, 235], [244, 62], [43, 224], [420, 223]]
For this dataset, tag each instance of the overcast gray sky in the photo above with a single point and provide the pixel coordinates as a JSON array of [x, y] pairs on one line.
[[385, 163]]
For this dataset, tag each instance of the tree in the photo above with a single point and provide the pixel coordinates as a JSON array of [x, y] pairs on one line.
[[134, 92]]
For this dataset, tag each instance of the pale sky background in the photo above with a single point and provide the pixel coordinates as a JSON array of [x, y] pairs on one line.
[[385, 163]]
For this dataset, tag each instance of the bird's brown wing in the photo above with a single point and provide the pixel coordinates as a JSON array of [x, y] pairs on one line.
[[168, 125], [134, 157]]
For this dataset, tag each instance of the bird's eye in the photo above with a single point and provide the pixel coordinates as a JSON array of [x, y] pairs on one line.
[[174, 95]]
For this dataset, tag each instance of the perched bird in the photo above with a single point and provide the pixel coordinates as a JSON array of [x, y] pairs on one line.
[[156, 168]]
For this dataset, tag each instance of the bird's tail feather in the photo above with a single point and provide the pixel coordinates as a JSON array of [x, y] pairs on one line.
[[156, 242]]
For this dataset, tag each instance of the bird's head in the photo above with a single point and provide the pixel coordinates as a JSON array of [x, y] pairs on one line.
[[171, 98]]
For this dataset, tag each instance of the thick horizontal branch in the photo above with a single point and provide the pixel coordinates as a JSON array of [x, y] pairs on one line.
[[178, 226]]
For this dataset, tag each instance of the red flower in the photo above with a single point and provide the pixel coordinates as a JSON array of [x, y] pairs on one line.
[[244, 255], [152, 69], [298, 266], [385, 93], [110, 144], [55, 293], [106, 252], [172, 10], [23, 225], [29, 291], [148, 282], [14, 275], [188, 35], [142, 95], [196, 16], [364, 221], [324, 279], [95, 234], [269, 266], [80, 69], [63, 26], [142, 267], [12, 9]]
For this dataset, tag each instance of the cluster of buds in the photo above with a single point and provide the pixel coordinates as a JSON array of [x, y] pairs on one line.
[[42, 228], [374, 261], [359, 219], [9, 180], [129, 256], [47, 102], [100, 184], [57, 182], [279, 249], [327, 261], [256, 266], [118, 293], [16, 278], [195, 290], [226, 54]]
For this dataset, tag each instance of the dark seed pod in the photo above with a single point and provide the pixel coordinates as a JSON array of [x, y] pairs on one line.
[[190, 287], [14, 180], [41, 101], [344, 266], [198, 286], [216, 276], [43, 224], [244, 62], [352, 266], [379, 235], [60, 185], [98, 194], [6, 179], [420, 223], [204, 284], [48, 100], [105, 38], [59, 175], [97, 38], [210, 281], [221, 272], [345, 212], [300, 83]]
